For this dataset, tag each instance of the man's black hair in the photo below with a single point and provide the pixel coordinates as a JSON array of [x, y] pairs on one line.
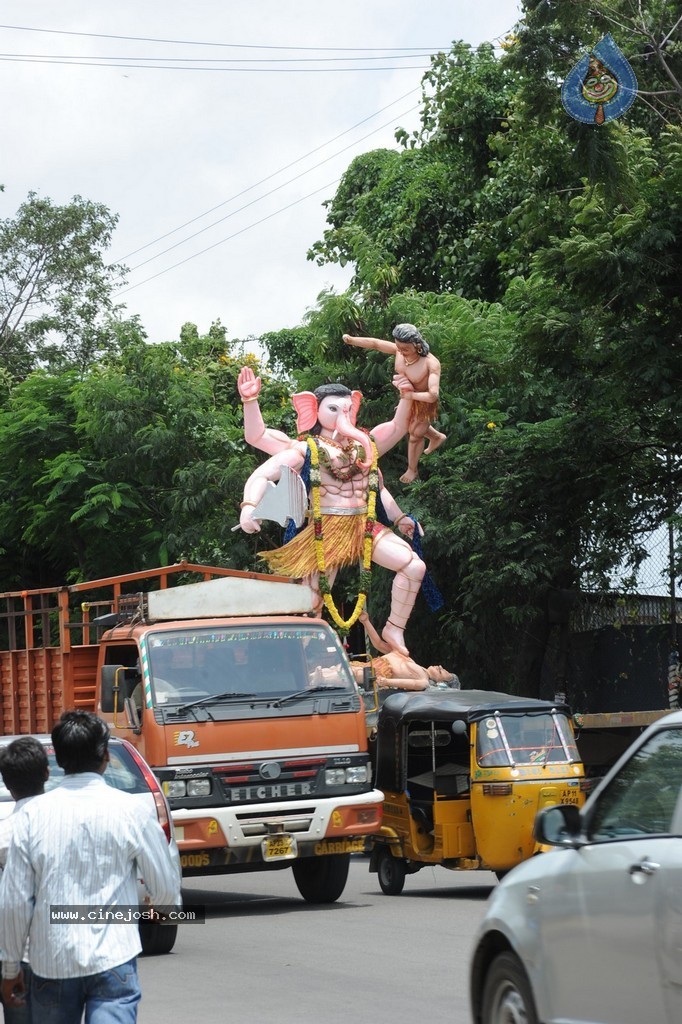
[[24, 767], [81, 742]]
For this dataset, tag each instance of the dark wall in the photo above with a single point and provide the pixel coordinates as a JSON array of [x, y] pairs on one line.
[[621, 668]]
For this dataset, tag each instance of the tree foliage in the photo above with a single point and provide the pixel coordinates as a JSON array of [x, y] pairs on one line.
[[562, 425], [137, 463], [56, 305], [541, 259]]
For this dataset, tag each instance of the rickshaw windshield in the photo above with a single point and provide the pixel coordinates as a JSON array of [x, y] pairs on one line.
[[527, 739]]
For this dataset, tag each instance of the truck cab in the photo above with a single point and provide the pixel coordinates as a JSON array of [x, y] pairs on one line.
[[244, 704]]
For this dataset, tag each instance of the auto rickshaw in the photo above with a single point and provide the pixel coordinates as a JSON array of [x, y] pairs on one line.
[[464, 772]]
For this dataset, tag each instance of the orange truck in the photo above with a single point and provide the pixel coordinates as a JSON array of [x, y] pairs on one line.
[[238, 696]]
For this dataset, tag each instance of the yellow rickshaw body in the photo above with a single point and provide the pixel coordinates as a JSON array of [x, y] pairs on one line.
[[443, 804]]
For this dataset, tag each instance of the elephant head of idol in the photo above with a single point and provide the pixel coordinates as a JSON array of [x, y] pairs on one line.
[[332, 408]]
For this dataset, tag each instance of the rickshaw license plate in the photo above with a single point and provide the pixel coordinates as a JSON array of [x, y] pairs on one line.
[[570, 796], [279, 847]]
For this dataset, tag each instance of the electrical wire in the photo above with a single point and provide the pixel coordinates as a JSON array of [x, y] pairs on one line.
[[179, 67], [191, 65], [265, 195], [234, 46], [222, 241], [79, 57], [268, 177]]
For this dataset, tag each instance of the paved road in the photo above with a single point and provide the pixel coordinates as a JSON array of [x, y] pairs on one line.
[[264, 956]]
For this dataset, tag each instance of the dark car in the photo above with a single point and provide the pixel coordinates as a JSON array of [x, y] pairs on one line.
[[128, 771]]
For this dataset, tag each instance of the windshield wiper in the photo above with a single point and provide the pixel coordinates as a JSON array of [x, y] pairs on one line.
[[310, 691], [212, 698]]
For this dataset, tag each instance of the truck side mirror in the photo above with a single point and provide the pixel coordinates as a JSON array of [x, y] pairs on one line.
[[115, 686], [110, 678]]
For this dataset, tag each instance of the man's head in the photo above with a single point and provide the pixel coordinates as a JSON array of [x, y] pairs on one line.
[[407, 334], [24, 768], [81, 742]]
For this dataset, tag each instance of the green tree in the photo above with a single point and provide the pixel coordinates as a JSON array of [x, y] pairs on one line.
[[137, 462], [403, 218], [56, 302], [559, 400]]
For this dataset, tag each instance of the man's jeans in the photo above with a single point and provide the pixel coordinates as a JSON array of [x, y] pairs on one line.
[[107, 998]]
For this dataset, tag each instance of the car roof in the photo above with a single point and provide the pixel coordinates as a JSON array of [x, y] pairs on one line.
[[45, 737], [470, 705]]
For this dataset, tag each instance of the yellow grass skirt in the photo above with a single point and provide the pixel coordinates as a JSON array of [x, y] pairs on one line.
[[343, 538]]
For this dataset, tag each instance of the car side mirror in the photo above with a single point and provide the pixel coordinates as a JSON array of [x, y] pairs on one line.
[[558, 826]]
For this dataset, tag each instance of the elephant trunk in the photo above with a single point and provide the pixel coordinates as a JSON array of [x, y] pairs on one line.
[[345, 428]]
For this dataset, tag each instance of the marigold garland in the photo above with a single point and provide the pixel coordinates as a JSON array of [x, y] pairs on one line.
[[370, 518]]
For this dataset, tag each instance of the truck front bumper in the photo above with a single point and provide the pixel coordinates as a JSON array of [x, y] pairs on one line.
[[215, 836]]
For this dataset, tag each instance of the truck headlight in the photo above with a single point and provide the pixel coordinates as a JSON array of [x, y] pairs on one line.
[[174, 788], [339, 776], [198, 787]]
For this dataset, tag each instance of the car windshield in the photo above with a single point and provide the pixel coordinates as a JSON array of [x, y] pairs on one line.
[[121, 773], [544, 738], [232, 663]]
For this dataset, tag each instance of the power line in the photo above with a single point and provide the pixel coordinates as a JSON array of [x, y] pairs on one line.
[[222, 241], [79, 57], [248, 226], [234, 46], [180, 67], [268, 177], [266, 194]]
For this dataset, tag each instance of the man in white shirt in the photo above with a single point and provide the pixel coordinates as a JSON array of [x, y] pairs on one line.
[[73, 863], [25, 770]]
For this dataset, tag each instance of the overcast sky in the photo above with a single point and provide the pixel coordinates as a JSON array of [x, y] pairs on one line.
[[247, 156]]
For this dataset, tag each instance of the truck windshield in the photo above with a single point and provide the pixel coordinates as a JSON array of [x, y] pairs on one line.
[[544, 738], [232, 663]]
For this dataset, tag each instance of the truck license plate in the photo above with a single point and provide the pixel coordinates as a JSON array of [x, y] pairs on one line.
[[279, 847]]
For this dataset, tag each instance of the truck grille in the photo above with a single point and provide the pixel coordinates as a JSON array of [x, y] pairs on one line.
[[268, 781]]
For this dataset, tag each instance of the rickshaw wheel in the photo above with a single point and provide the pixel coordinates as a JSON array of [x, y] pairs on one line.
[[507, 995], [391, 871]]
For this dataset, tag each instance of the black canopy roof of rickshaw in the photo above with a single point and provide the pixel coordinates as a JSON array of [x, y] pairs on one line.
[[468, 705]]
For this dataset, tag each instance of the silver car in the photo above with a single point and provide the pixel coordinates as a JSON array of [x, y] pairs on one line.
[[592, 930]]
